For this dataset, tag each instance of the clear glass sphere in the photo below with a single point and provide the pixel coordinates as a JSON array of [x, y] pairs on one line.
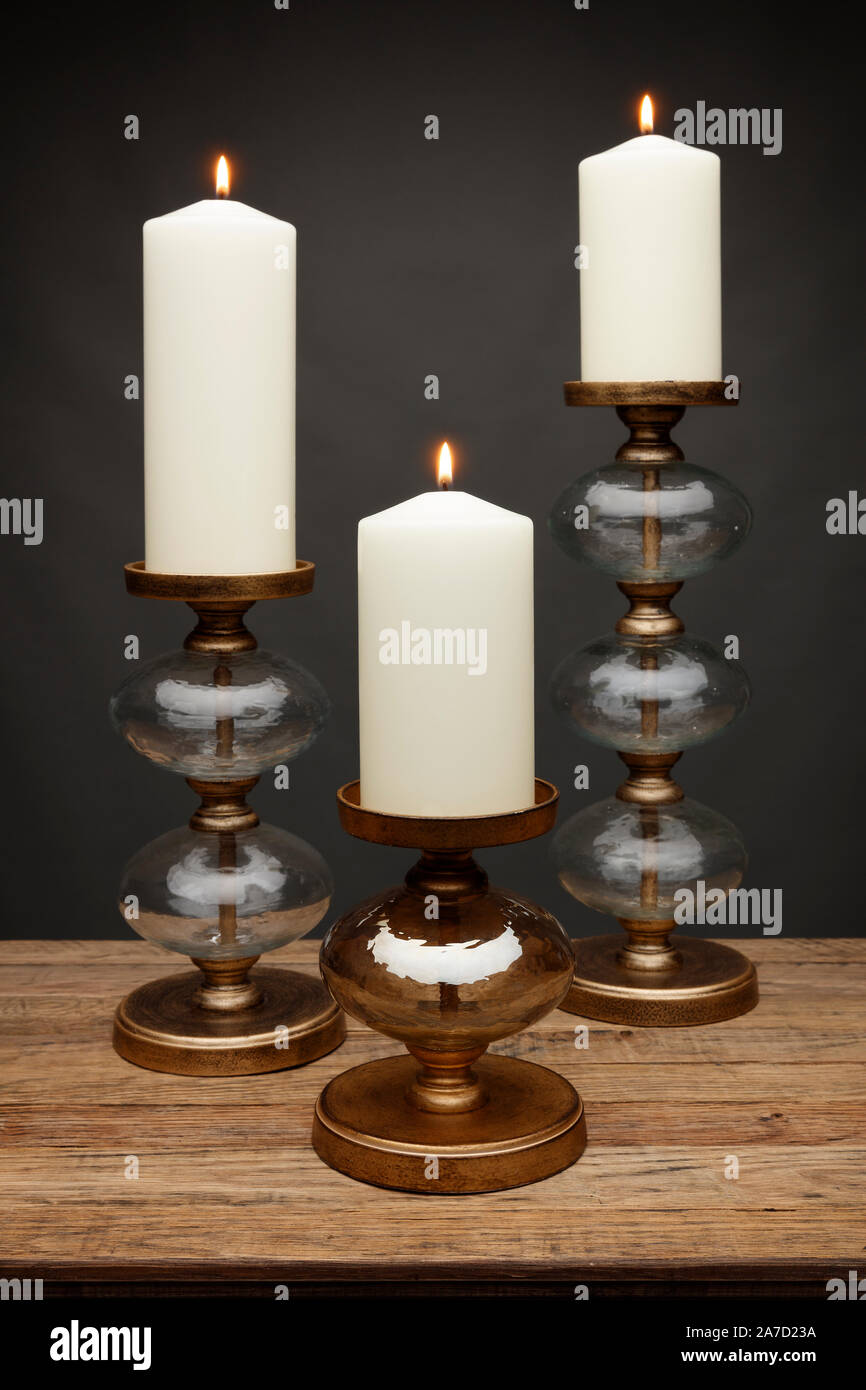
[[649, 694], [490, 966], [630, 860], [219, 717], [702, 519], [225, 896]]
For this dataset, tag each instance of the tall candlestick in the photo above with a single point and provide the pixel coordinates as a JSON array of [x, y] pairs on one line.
[[446, 658], [650, 288], [219, 391]]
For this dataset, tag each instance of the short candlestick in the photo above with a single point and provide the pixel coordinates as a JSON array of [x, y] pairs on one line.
[[448, 965]]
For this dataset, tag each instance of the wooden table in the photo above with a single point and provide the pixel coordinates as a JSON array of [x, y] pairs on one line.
[[230, 1193]]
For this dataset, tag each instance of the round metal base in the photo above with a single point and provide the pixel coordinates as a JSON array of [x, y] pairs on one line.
[[712, 983], [531, 1127], [160, 1026]]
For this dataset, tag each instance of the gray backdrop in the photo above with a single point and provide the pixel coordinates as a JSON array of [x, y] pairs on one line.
[[453, 257]]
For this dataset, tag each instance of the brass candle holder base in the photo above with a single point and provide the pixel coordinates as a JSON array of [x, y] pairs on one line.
[[530, 1126], [704, 982], [228, 888], [447, 964], [221, 1020], [654, 841]]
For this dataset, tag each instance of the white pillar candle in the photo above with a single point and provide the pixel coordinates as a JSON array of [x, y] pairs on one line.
[[446, 658], [650, 288], [219, 391]]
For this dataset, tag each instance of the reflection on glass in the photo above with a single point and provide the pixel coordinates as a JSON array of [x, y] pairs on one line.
[[431, 962]]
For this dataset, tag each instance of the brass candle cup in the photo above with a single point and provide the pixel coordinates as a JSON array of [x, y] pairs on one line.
[[224, 889], [447, 965], [658, 520]]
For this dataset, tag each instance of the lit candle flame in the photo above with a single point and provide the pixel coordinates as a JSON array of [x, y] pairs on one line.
[[646, 116], [446, 470], [222, 177]]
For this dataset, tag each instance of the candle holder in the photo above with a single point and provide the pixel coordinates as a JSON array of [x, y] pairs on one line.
[[651, 520], [225, 889], [448, 965]]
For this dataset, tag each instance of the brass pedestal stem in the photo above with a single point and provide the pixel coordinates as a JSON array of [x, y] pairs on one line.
[[226, 985], [445, 1083], [649, 784]]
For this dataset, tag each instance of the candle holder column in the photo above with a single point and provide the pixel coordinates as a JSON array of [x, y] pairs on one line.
[[225, 889], [448, 965], [651, 520]]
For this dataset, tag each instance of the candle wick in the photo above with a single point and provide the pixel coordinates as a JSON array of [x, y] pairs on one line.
[[443, 486]]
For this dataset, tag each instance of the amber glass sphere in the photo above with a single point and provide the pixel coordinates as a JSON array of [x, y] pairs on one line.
[[490, 964]]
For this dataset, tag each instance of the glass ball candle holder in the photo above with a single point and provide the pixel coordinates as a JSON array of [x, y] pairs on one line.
[[654, 694], [225, 889], [219, 896], [175, 711], [633, 859], [601, 520], [651, 520], [448, 965]]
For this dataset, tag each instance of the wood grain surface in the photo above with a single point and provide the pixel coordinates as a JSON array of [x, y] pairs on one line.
[[230, 1194]]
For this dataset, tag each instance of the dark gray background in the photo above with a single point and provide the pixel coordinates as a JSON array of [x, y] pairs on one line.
[[415, 257]]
